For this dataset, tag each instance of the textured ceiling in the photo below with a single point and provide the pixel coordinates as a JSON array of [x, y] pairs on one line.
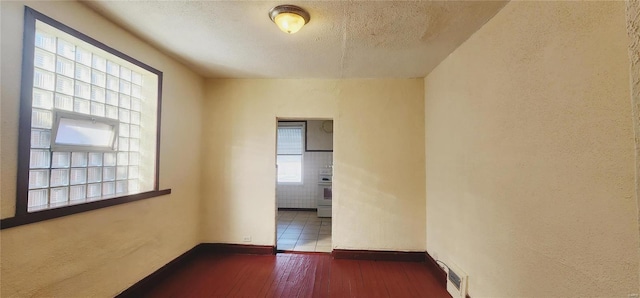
[[344, 39]]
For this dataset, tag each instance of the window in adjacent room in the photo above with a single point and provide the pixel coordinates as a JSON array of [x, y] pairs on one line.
[[290, 148], [89, 123]]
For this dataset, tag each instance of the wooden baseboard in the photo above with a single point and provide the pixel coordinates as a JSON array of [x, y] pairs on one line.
[[297, 209], [237, 249], [373, 255], [151, 281], [436, 270]]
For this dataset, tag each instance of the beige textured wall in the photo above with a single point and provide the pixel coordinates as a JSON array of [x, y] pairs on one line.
[[633, 29], [378, 200], [102, 252], [530, 154]]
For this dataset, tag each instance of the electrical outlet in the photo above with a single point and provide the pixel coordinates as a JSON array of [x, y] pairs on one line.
[[246, 238]]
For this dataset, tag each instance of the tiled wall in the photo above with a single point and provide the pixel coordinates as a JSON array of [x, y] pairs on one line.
[[305, 195]]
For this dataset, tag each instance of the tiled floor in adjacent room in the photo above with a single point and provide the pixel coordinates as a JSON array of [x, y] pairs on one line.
[[303, 231]]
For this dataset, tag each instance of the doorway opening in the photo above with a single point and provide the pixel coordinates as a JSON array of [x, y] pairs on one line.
[[304, 163]]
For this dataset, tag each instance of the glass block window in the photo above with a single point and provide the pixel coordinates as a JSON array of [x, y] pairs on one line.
[[93, 130], [290, 147]]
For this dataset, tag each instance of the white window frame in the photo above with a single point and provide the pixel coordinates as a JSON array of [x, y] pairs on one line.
[[303, 126], [82, 117]]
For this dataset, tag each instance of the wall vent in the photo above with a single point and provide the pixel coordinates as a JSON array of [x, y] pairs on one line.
[[456, 281]]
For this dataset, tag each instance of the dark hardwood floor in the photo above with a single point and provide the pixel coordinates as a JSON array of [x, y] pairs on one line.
[[297, 275]]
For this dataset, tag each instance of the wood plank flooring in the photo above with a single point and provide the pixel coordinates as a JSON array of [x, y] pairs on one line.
[[297, 275]]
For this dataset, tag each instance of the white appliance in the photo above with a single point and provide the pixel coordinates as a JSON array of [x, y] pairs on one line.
[[325, 192]]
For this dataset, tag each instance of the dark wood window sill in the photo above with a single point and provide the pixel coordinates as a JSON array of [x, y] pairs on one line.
[[47, 214]]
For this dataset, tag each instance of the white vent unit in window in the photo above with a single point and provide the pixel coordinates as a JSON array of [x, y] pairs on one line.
[[76, 132]]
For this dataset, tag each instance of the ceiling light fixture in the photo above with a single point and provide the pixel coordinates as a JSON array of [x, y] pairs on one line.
[[289, 18]]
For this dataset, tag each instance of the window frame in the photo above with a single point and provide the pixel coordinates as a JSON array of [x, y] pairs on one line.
[[22, 216], [303, 125]]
